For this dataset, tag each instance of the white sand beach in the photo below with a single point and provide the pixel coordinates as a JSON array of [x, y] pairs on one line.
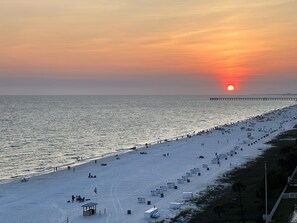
[[128, 181]]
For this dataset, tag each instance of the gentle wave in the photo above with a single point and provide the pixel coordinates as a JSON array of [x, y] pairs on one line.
[[39, 133]]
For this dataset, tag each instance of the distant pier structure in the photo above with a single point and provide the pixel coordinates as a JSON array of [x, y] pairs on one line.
[[253, 99]]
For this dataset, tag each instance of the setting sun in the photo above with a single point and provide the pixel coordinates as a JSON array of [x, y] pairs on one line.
[[230, 87]]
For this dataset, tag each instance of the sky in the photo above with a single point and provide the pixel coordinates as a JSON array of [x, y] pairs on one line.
[[124, 47]]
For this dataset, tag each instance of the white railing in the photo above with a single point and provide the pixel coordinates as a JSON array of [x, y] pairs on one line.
[[276, 205], [289, 195], [279, 199]]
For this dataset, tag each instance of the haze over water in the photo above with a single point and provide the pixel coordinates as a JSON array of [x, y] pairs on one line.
[[39, 133]]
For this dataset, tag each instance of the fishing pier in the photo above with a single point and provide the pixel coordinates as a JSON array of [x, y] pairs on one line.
[[253, 99]]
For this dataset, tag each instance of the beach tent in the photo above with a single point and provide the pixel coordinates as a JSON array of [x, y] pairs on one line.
[[89, 208], [151, 213]]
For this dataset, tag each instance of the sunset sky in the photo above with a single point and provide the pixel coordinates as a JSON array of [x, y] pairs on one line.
[[148, 46]]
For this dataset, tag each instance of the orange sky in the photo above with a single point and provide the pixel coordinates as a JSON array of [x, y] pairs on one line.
[[215, 42]]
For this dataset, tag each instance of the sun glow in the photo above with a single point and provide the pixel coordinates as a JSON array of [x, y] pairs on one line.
[[230, 87]]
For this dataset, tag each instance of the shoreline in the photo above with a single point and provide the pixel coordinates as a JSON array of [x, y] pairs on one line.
[[80, 161], [121, 181]]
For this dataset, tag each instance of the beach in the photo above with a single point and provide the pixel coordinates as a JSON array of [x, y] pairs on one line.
[[125, 185]]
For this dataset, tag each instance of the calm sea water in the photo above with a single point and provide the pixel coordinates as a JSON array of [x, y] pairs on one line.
[[42, 132]]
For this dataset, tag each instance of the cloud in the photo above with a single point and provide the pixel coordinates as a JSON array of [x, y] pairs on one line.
[[230, 39]]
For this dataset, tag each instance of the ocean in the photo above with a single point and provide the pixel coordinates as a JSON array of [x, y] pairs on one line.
[[39, 133]]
